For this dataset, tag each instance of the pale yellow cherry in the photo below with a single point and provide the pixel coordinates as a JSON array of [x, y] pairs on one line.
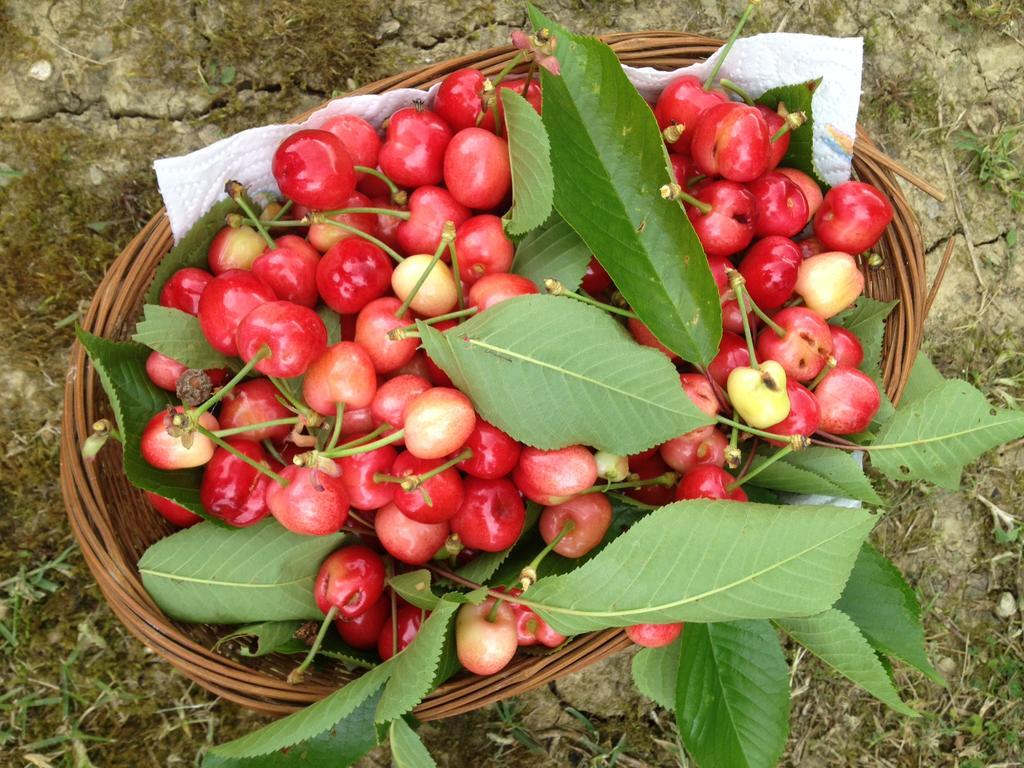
[[435, 296], [759, 395], [829, 282]]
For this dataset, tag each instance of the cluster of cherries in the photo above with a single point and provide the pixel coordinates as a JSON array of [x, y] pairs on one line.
[[368, 435]]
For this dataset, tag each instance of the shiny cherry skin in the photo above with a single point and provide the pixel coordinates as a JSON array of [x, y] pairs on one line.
[[700, 392], [770, 269], [388, 406], [591, 516], [778, 148], [436, 293], [228, 298], [295, 335], [323, 236], [165, 371], [444, 490], [550, 477], [183, 289], [314, 169], [350, 579], [852, 217], [373, 324], [732, 318], [477, 170], [730, 225], [412, 154], [362, 631], [811, 246], [459, 100], [683, 169], [254, 402], [438, 422], [409, 618], [646, 467], [494, 289], [351, 274], [642, 335], [804, 413], [708, 482], [429, 209], [314, 503], [732, 353], [781, 206], [682, 103], [849, 400], [829, 282], [846, 347], [533, 96], [687, 451], [290, 274], [356, 421], [359, 137], [595, 280], [410, 541], [387, 226], [495, 454], [232, 490], [162, 451], [805, 348], [357, 473], [491, 516], [234, 248], [344, 373], [531, 629], [485, 637], [654, 635], [731, 140], [809, 187], [482, 248], [171, 511]]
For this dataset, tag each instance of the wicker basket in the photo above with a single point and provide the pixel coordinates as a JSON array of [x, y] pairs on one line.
[[114, 525]]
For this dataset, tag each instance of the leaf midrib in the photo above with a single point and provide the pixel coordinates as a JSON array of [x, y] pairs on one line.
[[219, 583], [946, 436]]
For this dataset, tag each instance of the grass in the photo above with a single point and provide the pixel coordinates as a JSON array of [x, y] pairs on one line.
[[998, 159]]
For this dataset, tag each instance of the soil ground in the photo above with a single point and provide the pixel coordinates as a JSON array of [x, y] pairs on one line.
[[90, 93]]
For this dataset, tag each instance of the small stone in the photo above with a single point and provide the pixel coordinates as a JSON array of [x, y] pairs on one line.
[[1006, 607], [41, 70], [946, 666], [388, 29]]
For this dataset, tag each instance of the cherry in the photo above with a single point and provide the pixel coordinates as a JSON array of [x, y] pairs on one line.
[[682, 169], [531, 629], [477, 170], [387, 226], [410, 541], [485, 637], [642, 335], [228, 298], [829, 282], [731, 140], [778, 148], [373, 324], [429, 209], [350, 579], [730, 225], [700, 392], [532, 95], [682, 104], [436, 292], [437, 422], [549, 477], [357, 473], [495, 454], [781, 206], [359, 137], [356, 421], [408, 620], [295, 335], [362, 631], [591, 516], [351, 274], [482, 248], [811, 246], [459, 99], [344, 373], [234, 248], [852, 217], [595, 280], [846, 347], [849, 400], [491, 516], [804, 413], [290, 273], [322, 235], [654, 635], [254, 402], [314, 169], [417, 365], [232, 490], [313, 503], [732, 318], [708, 482], [770, 270], [165, 371], [759, 395], [295, 243], [171, 511], [183, 289], [388, 406], [494, 289], [444, 490], [611, 466], [163, 451], [687, 451], [804, 349], [647, 466], [810, 188], [732, 352], [412, 154]]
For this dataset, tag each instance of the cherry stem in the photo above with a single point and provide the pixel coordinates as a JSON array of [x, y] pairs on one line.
[[253, 427], [268, 446], [514, 62], [280, 214], [765, 318], [732, 87], [447, 235], [361, 521], [258, 466], [667, 479], [555, 288], [631, 501], [724, 53], [404, 215], [365, 235], [739, 287], [779, 454], [394, 611], [675, 192], [461, 300], [397, 334], [529, 78], [296, 674], [492, 614], [216, 397], [829, 365], [793, 120], [289, 401], [339, 415], [752, 431], [398, 196], [369, 437], [528, 576], [237, 219], [345, 450], [732, 454], [412, 482], [237, 193]]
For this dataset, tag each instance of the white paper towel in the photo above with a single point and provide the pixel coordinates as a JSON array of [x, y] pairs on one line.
[[192, 183]]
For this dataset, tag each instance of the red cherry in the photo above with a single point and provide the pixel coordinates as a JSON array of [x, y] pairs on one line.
[[682, 103], [778, 148], [495, 454], [804, 413], [731, 140], [356, 421], [477, 170], [595, 280], [295, 335], [254, 402], [494, 289], [549, 477], [313, 503], [359, 137], [646, 467], [409, 619], [350, 579], [729, 227], [485, 637], [682, 169], [290, 274], [846, 347], [410, 541], [810, 188], [654, 635], [232, 490], [183, 289], [373, 324], [444, 490], [171, 511], [343, 374], [387, 226], [531, 629], [234, 248], [412, 154], [362, 631], [228, 298], [165, 371], [429, 209], [781, 206], [351, 274], [314, 169], [708, 482], [852, 217], [532, 95], [642, 334], [811, 246], [770, 269], [491, 515], [482, 248], [805, 348], [700, 392], [732, 318], [437, 422], [163, 451], [323, 236], [389, 404], [687, 451], [459, 100], [732, 353], [849, 400], [357, 474], [591, 514]]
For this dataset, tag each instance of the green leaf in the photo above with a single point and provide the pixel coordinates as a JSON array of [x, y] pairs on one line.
[[414, 588], [924, 377], [406, 748], [415, 667], [709, 561], [332, 321], [134, 399], [655, 671], [834, 638], [866, 319], [533, 184], [934, 435], [552, 372], [797, 98], [732, 697], [341, 745], [554, 250], [610, 162], [178, 335], [191, 251], [885, 609], [212, 575], [815, 470], [270, 636]]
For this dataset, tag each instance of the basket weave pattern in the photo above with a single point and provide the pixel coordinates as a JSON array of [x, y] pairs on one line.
[[114, 525]]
